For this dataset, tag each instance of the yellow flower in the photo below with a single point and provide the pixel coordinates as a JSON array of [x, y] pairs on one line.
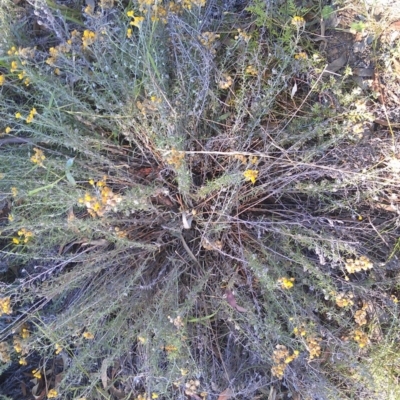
[[342, 300], [301, 56], [129, 33], [154, 396], [313, 347], [243, 35], [17, 346], [299, 331], [225, 82], [38, 157], [88, 38], [137, 21], [12, 51], [87, 197], [8, 129], [24, 333], [88, 335], [10, 217], [5, 306], [361, 338], [36, 374], [22, 361], [15, 240], [251, 70], [2, 79], [286, 283], [88, 10], [142, 340], [14, 191], [298, 21], [130, 14], [52, 393], [58, 349], [14, 66], [251, 175], [18, 115]]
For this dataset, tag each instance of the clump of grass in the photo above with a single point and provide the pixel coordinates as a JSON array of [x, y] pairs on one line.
[[180, 215]]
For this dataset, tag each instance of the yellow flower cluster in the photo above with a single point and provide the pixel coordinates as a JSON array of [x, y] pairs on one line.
[[64, 48], [178, 322], [36, 373], [313, 347], [26, 52], [4, 352], [52, 394], [281, 358], [24, 236], [361, 338], [15, 67], [300, 331], [21, 76], [12, 51], [344, 300], [251, 175], [58, 348], [301, 56], [38, 157], [54, 53], [136, 21], [24, 333], [20, 345], [361, 264], [191, 387], [225, 82], [246, 160], [2, 79], [88, 335], [207, 39], [251, 70], [88, 38], [361, 315], [5, 306], [286, 283], [32, 113], [312, 342], [159, 12], [103, 201], [176, 158], [242, 35], [298, 21], [120, 232]]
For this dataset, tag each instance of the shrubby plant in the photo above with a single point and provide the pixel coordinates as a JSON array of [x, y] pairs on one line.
[[188, 209]]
